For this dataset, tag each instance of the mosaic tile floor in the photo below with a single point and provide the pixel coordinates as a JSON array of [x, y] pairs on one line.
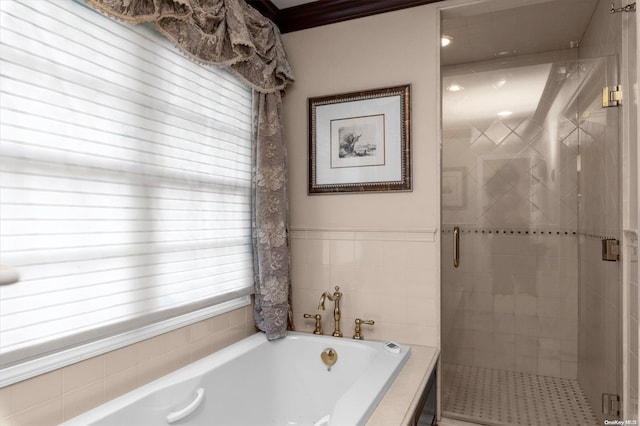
[[498, 397]]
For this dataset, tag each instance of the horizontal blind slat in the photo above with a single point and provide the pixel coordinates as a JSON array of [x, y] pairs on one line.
[[112, 269], [119, 291], [132, 59], [125, 178]]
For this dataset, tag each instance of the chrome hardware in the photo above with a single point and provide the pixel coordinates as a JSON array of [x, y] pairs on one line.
[[358, 331], [628, 8], [335, 297], [318, 319], [610, 249], [329, 356], [456, 246], [611, 98]]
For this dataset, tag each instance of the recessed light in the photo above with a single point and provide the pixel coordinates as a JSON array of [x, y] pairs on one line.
[[446, 40], [505, 53], [504, 114], [500, 83], [454, 87]]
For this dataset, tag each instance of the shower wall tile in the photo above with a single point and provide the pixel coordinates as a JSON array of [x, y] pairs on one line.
[[519, 171], [511, 303], [520, 174], [57, 396]]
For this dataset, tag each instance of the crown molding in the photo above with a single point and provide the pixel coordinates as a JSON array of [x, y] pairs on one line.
[[268, 9], [326, 12]]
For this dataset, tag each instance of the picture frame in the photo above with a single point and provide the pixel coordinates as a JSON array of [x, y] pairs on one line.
[[360, 141]]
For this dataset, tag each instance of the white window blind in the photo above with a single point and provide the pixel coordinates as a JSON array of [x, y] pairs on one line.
[[125, 175]]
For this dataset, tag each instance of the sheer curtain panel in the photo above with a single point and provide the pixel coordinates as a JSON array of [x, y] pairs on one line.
[[232, 34], [125, 175]]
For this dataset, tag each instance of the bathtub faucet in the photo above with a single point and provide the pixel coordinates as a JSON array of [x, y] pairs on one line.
[[335, 297]]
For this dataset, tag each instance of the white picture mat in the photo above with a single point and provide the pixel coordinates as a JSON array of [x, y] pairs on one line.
[[391, 107]]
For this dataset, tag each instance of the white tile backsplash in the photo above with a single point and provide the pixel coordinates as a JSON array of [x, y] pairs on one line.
[[381, 275]]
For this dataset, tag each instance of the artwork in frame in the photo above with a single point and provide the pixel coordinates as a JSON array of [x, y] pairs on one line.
[[454, 187], [360, 141]]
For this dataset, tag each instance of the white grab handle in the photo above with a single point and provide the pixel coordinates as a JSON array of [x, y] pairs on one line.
[[181, 414]]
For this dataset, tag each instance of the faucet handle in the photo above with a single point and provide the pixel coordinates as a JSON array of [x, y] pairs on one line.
[[318, 319], [358, 331]]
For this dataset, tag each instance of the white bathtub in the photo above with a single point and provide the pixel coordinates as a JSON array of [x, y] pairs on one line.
[[257, 382]]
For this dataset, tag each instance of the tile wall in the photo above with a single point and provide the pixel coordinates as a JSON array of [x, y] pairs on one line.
[[513, 302], [57, 396], [380, 274]]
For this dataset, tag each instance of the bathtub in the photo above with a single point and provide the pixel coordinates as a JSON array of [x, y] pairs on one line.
[[257, 382]]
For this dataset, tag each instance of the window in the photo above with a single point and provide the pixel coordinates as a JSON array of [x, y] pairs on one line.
[[125, 178]]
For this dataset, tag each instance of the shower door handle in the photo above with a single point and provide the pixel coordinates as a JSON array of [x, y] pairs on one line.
[[456, 246]]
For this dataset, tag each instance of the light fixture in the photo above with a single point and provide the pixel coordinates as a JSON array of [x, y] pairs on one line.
[[446, 40], [500, 83], [504, 114], [454, 87]]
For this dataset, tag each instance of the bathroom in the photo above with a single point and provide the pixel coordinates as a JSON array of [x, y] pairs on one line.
[[384, 250]]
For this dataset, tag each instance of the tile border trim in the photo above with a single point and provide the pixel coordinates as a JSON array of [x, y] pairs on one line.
[[364, 234]]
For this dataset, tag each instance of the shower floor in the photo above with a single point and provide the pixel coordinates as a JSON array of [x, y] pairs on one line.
[[496, 397]]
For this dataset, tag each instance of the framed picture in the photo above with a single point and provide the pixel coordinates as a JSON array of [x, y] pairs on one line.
[[360, 141], [454, 187]]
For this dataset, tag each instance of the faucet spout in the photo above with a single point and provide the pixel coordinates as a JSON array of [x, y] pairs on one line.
[[322, 299], [337, 314]]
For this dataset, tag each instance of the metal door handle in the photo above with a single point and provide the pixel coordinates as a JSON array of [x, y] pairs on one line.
[[456, 246]]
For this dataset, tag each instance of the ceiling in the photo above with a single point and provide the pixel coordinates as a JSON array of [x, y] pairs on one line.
[[498, 28], [484, 30]]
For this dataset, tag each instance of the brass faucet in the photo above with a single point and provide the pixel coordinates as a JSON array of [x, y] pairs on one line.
[[335, 297], [358, 331], [318, 319]]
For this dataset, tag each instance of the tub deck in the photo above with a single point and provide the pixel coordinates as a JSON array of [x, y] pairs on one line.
[[400, 401]]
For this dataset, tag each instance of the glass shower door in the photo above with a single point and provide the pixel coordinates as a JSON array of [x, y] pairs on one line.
[[522, 152]]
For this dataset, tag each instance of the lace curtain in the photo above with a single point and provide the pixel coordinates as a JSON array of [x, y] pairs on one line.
[[232, 34]]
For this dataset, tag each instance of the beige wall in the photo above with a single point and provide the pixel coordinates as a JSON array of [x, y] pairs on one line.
[[54, 397], [382, 249]]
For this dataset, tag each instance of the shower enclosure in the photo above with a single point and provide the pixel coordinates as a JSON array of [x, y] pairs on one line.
[[530, 188]]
